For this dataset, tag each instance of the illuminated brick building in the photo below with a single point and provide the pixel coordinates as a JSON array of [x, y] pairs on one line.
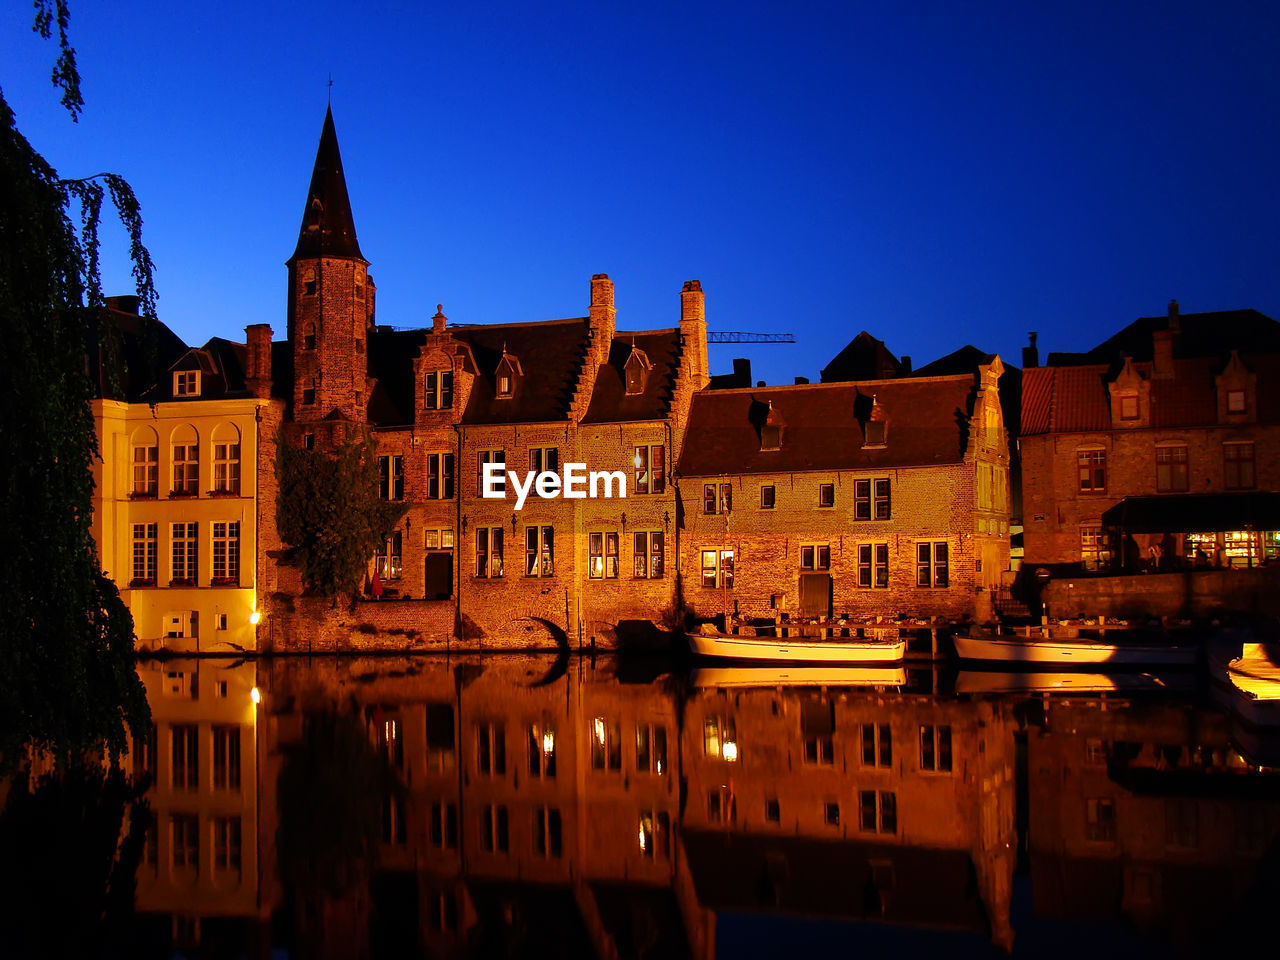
[[1161, 443], [444, 401]]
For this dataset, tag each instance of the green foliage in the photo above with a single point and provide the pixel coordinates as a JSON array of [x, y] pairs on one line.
[[67, 682], [329, 514], [72, 841]]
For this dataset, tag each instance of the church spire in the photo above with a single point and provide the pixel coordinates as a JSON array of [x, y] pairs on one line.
[[328, 229]]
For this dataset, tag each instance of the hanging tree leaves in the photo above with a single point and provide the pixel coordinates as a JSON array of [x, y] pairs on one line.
[[67, 679]]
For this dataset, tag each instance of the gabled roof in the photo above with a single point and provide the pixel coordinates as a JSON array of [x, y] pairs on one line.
[[221, 364], [328, 228], [1076, 399], [967, 360], [927, 424], [551, 353], [610, 402], [864, 358]]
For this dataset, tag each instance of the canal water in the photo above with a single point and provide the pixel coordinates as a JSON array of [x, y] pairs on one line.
[[521, 806]]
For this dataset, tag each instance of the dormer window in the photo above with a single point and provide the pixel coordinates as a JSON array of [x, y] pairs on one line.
[[875, 433], [1235, 401], [770, 437], [186, 383], [636, 371], [1129, 407], [438, 390], [505, 377]]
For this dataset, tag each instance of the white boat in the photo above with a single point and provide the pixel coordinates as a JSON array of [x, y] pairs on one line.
[[711, 643], [1250, 684], [1072, 650], [799, 676], [1073, 681]]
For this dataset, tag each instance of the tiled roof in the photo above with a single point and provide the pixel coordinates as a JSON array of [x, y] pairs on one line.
[[1200, 334], [609, 400], [927, 423], [1076, 399], [551, 355]]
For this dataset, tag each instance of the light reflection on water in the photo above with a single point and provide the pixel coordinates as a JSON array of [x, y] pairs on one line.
[[524, 806]]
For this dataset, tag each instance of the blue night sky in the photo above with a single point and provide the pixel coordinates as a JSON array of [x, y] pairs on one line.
[[934, 173]]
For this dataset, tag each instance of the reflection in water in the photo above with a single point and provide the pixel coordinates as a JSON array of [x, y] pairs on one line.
[[514, 807]]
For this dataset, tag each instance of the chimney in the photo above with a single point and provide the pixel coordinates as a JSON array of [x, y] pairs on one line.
[[439, 320], [257, 372], [693, 331], [1175, 321], [800, 380], [741, 372], [125, 304], [602, 316], [1031, 353], [904, 365]]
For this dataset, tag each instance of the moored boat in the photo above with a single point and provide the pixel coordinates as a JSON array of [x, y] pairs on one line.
[[1066, 681], [709, 642], [1062, 651], [768, 675]]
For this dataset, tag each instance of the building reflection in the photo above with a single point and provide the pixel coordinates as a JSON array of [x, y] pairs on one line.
[[198, 882], [1147, 812], [520, 806]]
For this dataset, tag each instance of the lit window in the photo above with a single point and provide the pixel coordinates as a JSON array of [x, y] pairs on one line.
[[539, 552], [649, 462], [542, 750], [387, 556], [717, 568], [606, 744], [489, 552], [649, 556], [602, 556], [720, 738], [654, 835], [1095, 545]]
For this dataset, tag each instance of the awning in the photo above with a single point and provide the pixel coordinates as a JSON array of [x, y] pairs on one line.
[[1196, 513]]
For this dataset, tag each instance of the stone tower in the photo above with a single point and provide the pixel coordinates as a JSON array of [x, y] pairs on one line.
[[331, 298]]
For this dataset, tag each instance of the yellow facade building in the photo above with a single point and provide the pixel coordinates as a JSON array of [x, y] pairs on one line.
[[175, 499]]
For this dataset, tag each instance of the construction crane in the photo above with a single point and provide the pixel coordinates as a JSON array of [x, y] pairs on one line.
[[738, 336]]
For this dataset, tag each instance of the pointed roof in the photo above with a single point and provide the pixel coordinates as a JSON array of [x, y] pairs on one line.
[[864, 358], [328, 229]]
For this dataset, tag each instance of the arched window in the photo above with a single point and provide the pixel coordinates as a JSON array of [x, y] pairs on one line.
[[146, 462], [184, 446], [226, 459]]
